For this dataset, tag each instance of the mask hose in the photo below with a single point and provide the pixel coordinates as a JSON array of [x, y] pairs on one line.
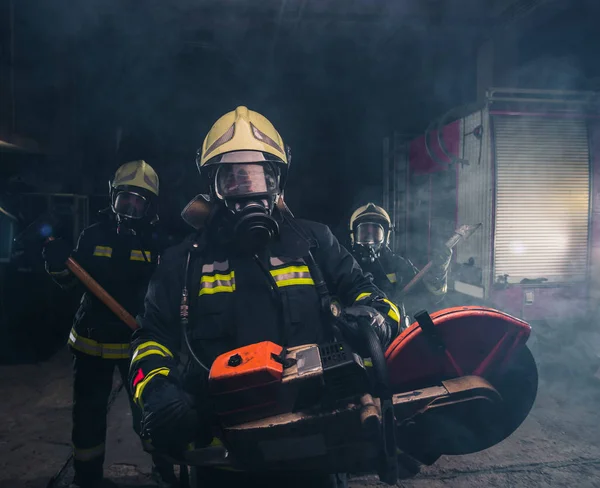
[[184, 314]]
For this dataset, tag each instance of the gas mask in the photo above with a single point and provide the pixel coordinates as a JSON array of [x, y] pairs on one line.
[[369, 239], [131, 210], [249, 192]]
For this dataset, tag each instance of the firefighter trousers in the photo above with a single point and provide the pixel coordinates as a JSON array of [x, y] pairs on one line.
[[92, 386]]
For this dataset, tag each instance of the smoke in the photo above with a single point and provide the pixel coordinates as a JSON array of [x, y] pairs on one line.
[[334, 78]]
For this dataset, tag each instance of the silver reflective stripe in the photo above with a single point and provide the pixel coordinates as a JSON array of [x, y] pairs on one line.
[[216, 266], [94, 348], [282, 261], [217, 283], [292, 275]]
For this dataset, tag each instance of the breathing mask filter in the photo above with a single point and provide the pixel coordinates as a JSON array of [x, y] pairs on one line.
[[248, 185]]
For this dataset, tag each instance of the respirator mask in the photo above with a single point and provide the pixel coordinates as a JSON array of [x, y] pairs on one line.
[[131, 209], [249, 191], [369, 239]]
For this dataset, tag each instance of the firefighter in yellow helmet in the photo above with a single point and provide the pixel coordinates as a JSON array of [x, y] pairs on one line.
[[250, 276], [120, 252], [370, 230]]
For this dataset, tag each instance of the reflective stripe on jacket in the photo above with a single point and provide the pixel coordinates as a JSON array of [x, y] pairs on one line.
[[94, 348]]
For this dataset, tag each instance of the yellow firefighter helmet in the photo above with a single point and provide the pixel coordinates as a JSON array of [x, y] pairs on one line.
[[370, 213], [241, 130], [137, 174]]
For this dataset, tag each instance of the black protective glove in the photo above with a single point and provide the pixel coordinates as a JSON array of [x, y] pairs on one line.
[[169, 421], [352, 316], [55, 254], [441, 257]]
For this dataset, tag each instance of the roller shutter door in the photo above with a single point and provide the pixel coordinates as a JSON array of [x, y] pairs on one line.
[[542, 198]]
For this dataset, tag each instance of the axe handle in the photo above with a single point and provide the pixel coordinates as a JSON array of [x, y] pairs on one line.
[[417, 278], [101, 293]]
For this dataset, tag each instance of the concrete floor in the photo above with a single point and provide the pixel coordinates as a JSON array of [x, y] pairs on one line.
[[558, 445]]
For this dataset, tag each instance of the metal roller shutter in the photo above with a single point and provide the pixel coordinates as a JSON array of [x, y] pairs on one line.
[[542, 198]]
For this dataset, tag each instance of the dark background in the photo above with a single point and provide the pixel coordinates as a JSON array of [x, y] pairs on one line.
[[88, 85], [100, 82]]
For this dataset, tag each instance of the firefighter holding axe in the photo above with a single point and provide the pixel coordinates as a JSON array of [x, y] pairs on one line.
[[120, 253], [370, 230]]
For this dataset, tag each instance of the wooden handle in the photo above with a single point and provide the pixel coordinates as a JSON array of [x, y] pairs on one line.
[[101, 293], [417, 278]]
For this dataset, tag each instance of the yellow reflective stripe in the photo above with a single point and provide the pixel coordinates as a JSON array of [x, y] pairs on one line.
[[124, 354], [149, 348], [59, 274], [80, 345], [217, 277], [295, 281], [89, 453], [393, 313], [94, 348], [290, 269], [149, 352], [292, 275], [138, 255], [103, 251], [139, 388], [392, 277], [146, 344], [217, 283], [217, 289], [363, 295]]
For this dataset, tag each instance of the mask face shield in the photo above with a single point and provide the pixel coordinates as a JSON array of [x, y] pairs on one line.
[[370, 234], [245, 180], [369, 238], [130, 205], [248, 185]]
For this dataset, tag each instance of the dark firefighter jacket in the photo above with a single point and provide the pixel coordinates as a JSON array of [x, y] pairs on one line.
[[232, 302], [392, 273], [122, 265]]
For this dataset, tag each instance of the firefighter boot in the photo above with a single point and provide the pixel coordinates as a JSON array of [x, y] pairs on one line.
[[163, 473]]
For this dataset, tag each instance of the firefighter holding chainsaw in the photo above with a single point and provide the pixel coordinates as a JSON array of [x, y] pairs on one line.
[[250, 276], [370, 230], [120, 252]]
